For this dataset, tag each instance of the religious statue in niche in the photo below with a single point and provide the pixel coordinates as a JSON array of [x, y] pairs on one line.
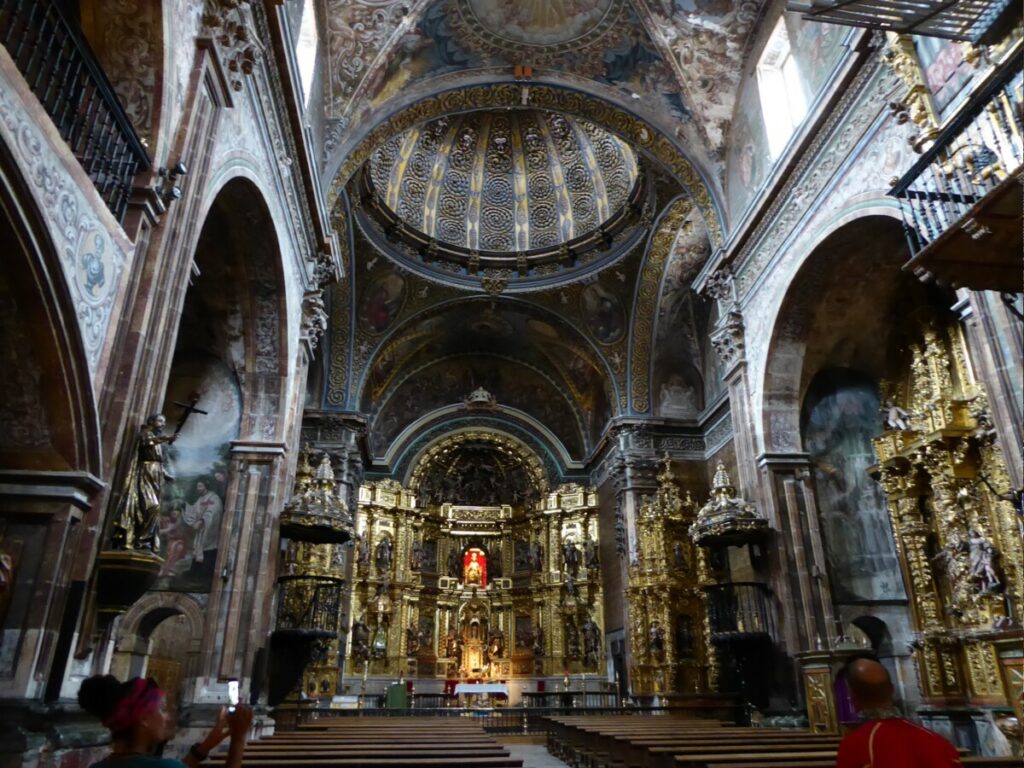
[[360, 640], [656, 640], [591, 555], [982, 561], [416, 555], [496, 644], [363, 552], [537, 556], [136, 525], [678, 555], [384, 549], [412, 641], [382, 602], [571, 556], [591, 642], [474, 569], [572, 639]]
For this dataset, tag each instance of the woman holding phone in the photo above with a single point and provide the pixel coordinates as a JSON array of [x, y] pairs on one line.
[[139, 722]]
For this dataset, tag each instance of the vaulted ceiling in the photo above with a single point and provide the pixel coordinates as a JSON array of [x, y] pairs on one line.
[[531, 233]]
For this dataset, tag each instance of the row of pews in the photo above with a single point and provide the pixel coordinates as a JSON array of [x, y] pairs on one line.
[[351, 742], [629, 741]]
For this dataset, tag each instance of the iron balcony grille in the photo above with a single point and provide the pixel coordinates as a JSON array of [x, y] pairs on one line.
[[964, 20], [63, 73], [739, 611], [974, 154]]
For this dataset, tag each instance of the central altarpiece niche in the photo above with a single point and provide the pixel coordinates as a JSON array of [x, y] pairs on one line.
[[476, 571]]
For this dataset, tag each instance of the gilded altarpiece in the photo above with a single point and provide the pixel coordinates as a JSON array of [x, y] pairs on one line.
[[452, 591], [667, 617], [959, 541]]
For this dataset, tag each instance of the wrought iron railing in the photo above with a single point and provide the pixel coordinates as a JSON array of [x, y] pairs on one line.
[[979, 150], [60, 68], [739, 610], [509, 720]]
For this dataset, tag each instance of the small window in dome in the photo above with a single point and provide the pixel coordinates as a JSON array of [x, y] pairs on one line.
[[305, 50], [783, 103]]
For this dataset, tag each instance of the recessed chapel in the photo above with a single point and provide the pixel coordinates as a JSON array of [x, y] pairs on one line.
[[506, 359]]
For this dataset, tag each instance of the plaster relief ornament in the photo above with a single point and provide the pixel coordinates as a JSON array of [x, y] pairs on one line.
[[480, 398]]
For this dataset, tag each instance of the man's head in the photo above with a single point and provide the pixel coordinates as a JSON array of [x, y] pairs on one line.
[[870, 685]]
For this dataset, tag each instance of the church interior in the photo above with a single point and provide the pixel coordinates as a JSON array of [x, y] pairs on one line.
[[501, 359]]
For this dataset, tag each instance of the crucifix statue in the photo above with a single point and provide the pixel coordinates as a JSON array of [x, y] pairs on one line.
[[136, 525]]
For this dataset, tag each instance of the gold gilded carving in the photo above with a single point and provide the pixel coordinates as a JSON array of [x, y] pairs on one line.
[[958, 541], [669, 636], [821, 709], [917, 103]]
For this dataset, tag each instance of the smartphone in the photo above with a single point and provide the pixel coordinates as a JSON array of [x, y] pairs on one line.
[[232, 695]]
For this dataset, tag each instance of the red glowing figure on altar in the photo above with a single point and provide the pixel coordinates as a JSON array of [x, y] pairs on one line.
[[474, 567]]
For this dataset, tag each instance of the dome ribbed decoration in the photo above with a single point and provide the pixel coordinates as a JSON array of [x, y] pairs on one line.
[[504, 181]]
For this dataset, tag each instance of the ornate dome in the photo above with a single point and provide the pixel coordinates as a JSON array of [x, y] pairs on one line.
[[511, 182]]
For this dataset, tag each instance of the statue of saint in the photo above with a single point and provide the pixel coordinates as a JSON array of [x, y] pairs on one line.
[[363, 552], [474, 572], [593, 559], [384, 554], [981, 558], [136, 525], [656, 640], [591, 642], [360, 640], [416, 555], [571, 556]]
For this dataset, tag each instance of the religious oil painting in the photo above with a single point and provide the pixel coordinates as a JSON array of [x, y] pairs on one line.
[[193, 502], [382, 301], [841, 416], [539, 22], [603, 313]]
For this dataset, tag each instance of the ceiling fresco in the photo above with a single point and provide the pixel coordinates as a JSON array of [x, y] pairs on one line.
[[618, 140], [380, 50]]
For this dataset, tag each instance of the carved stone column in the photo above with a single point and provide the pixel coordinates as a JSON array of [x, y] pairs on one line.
[[238, 616]]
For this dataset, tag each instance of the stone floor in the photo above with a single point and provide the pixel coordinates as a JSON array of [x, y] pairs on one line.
[[534, 756]]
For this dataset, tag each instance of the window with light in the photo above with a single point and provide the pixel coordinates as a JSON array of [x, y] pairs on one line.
[[783, 103]]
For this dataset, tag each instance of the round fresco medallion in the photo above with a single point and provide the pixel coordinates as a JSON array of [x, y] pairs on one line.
[[94, 268], [548, 26], [382, 301], [604, 313]]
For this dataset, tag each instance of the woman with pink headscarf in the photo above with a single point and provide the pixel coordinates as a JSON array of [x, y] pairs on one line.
[[136, 714]]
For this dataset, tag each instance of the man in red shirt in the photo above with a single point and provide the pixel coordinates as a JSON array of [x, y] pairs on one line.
[[886, 739]]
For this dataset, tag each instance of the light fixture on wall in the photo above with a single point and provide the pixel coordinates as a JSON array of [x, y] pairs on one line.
[[169, 188]]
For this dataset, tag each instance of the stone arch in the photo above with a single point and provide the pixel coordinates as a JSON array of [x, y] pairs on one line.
[[141, 619], [832, 315], [136, 627], [49, 412], [569, 99], [240, 236], [664, 271]]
